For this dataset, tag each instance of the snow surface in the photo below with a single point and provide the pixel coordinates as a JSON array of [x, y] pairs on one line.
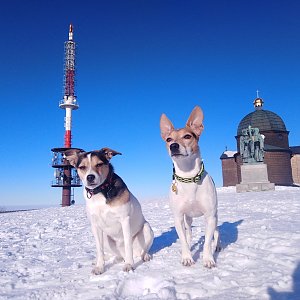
[[48, 253]]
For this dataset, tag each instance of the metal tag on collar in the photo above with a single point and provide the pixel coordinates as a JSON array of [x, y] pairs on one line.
[[174, 187], [196, 178], [89, 194]]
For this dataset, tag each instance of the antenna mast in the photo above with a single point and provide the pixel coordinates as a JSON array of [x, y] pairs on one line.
[[69, 101], [65, 175]]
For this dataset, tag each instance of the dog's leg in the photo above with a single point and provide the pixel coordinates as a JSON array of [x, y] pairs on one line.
[[148, 237], [216, 244], [186, 256], [211, 226], [113, 248], [98, 234], [188, 229], [143, 241], [127, 244]]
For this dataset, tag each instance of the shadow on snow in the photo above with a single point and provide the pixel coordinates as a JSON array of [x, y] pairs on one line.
[[166, 239], [294, 295], [228, 234]]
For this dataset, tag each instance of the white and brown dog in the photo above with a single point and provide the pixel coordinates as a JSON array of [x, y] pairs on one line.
[[193, 192], [118, 224]]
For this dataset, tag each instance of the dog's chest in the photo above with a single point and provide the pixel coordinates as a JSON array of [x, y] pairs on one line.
[[105, 216], [188, 200]]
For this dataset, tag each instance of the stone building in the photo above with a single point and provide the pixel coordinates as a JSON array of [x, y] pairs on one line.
[[295, 161], [283, 161]]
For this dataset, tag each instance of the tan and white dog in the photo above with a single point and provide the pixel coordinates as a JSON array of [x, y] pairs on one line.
[[193, 192], [118, 224]]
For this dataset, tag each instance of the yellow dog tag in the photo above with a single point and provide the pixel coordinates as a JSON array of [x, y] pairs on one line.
[[174, 187]]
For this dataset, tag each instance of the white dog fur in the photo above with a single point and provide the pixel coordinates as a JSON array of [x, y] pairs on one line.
[[117, 222], [191, 199]]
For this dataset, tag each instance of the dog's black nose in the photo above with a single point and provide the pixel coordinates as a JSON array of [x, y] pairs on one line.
[[90, 178], [174, 147]]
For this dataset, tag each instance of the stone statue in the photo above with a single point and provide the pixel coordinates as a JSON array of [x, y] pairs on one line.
[[252, 145]]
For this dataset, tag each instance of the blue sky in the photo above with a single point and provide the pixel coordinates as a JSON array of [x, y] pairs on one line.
[[136, 60]]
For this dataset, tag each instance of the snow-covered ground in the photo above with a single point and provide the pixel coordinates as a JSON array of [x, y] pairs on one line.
[[48, 253]]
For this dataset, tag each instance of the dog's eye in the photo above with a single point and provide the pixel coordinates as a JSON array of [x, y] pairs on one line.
[[187, 136], [99, 165], [82, 168], [168, 140]]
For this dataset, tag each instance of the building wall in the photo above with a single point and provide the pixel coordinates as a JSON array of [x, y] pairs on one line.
[[279, 167], [295, 161], [279, 163], [278, 139], [229, 172], [239, 163]]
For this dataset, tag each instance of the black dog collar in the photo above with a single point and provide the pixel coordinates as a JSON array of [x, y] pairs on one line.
[[190, 179], [110, 188], [105, 188]]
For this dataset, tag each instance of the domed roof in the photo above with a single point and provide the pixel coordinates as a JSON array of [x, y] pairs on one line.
[[263, 119]]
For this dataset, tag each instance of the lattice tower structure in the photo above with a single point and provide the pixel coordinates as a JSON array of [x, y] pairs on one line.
[[69, 101], [65, 175]]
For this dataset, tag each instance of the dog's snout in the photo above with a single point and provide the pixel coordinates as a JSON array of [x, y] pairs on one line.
[[174, 147], [90, 178]]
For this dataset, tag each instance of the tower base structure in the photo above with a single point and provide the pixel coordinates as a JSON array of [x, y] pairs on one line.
[[254, 179], [65, 175]]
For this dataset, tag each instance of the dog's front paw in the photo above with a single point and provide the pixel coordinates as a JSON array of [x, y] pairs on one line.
[[127, 268], [209, 262], [218, 248], [98, 270], [146, 257], [187, 261]]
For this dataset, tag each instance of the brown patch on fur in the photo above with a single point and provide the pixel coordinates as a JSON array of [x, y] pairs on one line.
[[109, 153], [184, 137], [99, 166], [166, 127], [120, 199], [72, 156], [195, 121], [194, 124]]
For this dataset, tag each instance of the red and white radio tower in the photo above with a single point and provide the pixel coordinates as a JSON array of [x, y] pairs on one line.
[[65, 175], [69, 101]]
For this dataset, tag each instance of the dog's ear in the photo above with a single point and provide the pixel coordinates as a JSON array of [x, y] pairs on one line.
[[195, 121], [166, 127], [109, 153], [71, 156]]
